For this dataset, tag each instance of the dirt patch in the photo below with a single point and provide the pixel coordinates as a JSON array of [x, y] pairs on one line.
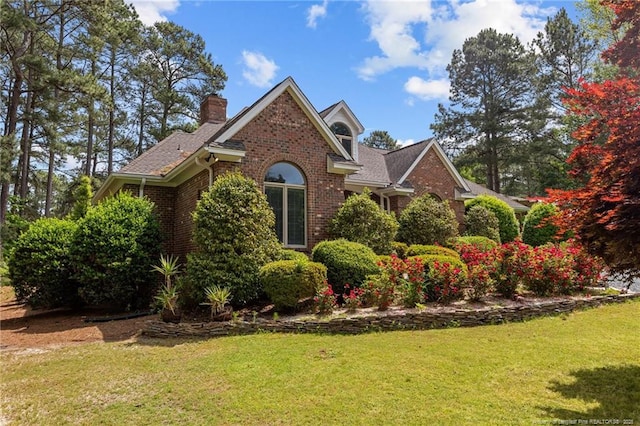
[[21, 327]]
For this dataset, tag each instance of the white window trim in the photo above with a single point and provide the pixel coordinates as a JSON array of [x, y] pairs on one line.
[[285, 216]]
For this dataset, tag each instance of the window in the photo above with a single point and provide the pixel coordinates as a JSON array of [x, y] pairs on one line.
[[344, 135], [285, 188]]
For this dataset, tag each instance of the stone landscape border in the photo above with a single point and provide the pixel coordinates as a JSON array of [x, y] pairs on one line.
[[383, 321]]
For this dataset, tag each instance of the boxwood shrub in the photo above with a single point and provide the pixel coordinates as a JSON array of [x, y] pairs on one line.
[[538, 227], [286, 282], [420, 249], [114, 248], [480, 221], [288, 254], [481, 243], [347, 262], [360, 219], [40, 268], [427, 221], [509, 226]]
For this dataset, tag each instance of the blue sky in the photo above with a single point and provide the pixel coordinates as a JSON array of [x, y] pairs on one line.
[[386, 59]]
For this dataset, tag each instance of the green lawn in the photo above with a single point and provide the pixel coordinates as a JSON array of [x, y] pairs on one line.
[[578, 367]]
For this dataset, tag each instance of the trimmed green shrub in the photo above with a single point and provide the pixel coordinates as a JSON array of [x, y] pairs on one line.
[[509, 226], [480, 221], [538, 227], [481, 243], [427, 221], [114, 249], [347, 262], [360, 219], [429, 259], [288, 254], [234, 233], [39, 266], [400, 249], [288, 281], [420, 249]]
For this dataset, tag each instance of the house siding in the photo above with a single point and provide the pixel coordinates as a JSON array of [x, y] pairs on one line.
[[283, 132], [431, 176]]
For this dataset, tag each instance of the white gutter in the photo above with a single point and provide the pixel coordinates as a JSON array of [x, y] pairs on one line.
[[141, 190], [208, 167]]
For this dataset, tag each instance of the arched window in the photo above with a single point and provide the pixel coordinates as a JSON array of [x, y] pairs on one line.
[[285, 187], [344, 135]]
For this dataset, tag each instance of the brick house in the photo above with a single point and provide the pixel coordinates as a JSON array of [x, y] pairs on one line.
[[306, 161]]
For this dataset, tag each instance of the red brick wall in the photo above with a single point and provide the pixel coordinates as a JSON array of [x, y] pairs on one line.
[[283, 132], [431, 176], [164, 199], [186, 200]]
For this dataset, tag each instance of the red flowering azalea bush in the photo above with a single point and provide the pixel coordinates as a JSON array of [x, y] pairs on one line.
[[550, 271], [398, 278], [446, 281], [325, 300], [481, 264], [352, 298], [512, 266], [588, 269]]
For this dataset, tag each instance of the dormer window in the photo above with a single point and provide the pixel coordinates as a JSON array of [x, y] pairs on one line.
[[344, 136]]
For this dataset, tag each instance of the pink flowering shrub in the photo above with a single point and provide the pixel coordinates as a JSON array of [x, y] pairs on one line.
[[352, 298], [446, 281], [481, 263], [325, 300]]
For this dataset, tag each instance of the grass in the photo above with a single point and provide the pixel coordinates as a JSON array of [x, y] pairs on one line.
[[582, 366]]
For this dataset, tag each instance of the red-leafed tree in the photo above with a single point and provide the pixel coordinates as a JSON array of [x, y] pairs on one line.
[[604, 211]]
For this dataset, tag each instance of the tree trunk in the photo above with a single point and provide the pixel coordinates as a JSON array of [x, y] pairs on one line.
[[112, 89]]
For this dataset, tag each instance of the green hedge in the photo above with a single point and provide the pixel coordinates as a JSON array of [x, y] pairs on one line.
[[40, 268], [480, 221], [286, 282], [509, 226], [482, 243], [360, 219], [538, 227], [235, 237], [427, 221], [114, 249], [421, 249], [347, 262]]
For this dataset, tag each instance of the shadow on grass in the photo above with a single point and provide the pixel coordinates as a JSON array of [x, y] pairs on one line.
[[616, 390]]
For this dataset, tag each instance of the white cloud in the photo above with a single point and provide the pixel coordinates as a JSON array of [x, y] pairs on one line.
[[405, 142], [391, 26], [316, 11], [423, 35], [258, 69], [152, 11], [427, 89]]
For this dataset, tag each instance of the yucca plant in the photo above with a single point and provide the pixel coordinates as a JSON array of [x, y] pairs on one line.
[[168, 295], [217, 298]]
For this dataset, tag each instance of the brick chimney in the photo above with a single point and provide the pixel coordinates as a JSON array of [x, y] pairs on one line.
[[213, 109]]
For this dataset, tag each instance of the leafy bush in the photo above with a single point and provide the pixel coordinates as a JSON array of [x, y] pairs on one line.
[[481, 243], [480, 221], [445, 277], [287, 254], [512, 265], [538, 227], [325, 300], [288, 281], [234, 233], [427, 221], [400, 249], [509, 227], [39, 266], [114, 249], [481, 263], [360, 219], [420, 249], [347, 262]]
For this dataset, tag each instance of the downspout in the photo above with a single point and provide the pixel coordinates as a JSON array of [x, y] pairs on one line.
[[208, 167], [143, 182]]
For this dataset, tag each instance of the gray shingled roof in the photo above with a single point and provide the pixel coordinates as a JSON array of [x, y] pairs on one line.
[[477, 189], [399, 161], [374, 166], [171, 151]]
